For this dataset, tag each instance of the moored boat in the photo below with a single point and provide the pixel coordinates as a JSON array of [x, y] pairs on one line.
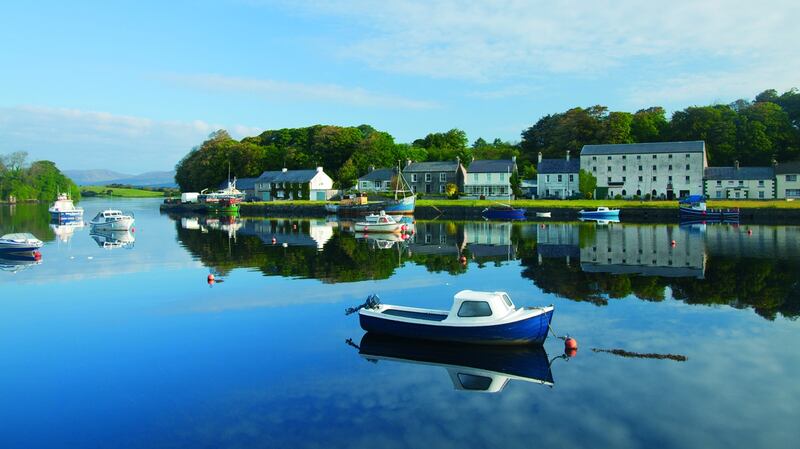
[[225, 201], [400, 206], [693, 208], [379, 223], [20, 242], [544, 214], [63, 210], [602, 213], [471, 368], [475, 317], [503, 212], [112, 220]]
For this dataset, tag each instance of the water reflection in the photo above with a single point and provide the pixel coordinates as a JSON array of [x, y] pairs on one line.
[[65, 231], [14, 263], [113, 239], [472, 368]]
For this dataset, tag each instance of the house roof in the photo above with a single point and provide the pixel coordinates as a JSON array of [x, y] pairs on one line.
[[492, 166], [788, 167], [719, 173], [449, 166], [379, 174], [241, 183], [547, 166], [695, 146], [288, 176]]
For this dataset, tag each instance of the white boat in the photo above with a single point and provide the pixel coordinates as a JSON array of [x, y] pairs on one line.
[[543, 214], [112, 220], [64, 210], [379, 223], [21, 242]]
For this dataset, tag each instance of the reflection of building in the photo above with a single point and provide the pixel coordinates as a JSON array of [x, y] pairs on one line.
[[437, 238], [646, 250], [290, 232], [558, 240], [775, 242], [489, 240]]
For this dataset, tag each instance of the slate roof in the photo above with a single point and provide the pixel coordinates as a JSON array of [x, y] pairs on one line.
[[548, 166], [743, 173], [492, 166], [695, 146], [241, 184], [287, 176], [788, 167], [448, 166], [379, 174]]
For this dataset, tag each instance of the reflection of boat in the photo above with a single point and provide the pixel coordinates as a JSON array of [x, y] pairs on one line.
[[111, 220], [113, 239], [601, 212], [64, 230], [475, 317], [543, 214], [601, 221], [379, 223], [21, 242], [16, 262], [63, 210], [503, 212], [382, 241], [225, 201], [476, 368], [693, 207]]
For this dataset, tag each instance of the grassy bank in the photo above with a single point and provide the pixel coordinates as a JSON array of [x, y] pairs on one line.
[[90, 191], [616, 204]]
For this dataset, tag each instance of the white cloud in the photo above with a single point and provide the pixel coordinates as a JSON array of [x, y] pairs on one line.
[[76, 138], [283, 90]]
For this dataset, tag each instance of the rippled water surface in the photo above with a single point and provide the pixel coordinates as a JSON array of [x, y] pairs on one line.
[[120, 341]]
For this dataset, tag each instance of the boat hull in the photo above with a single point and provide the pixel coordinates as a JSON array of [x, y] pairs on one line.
[[66, 216], [378, 227], [688, 214], [21, 249], [402, 206], [124, 224], [532, 330], [503, 214], [543, 214], [599, 215]]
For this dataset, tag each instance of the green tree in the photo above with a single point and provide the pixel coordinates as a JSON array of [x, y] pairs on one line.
[[587, 183], [649, 125]]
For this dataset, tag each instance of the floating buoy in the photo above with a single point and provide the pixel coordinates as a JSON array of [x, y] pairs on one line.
[[570, 344], [673, 243], [210, 278], [464, 260], [570, 352], [133, 229], [294, 226], [749, 232], [37, 255], [274, 240], [403, 227]]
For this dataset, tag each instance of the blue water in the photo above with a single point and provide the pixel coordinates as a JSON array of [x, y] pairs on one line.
[[130, 347]]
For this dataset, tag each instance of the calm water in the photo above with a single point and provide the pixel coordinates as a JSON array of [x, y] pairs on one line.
[[119, 341]]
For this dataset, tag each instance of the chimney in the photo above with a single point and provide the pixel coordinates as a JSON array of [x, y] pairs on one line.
[[371, 168], [284, 170], [736, 164], [568, 155], [774, 163], [540, 157], [319, 169], [514, 159], [458, 160], [408, 162]]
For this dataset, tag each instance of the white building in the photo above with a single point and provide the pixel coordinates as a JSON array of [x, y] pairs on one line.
[[665, 170], [557, 178], [294, 184], [490, 179], [787, 180], [755, 183]]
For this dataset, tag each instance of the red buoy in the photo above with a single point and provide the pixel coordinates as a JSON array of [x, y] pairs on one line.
[[673, 243], [274, 240], [133, 229], [37, 255], [570, 352], [464, 260], [570, 343], [749, 232], [210, 278]]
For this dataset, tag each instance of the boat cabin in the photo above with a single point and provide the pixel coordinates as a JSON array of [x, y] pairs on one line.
[[472, 306], [108, 215], [695, 202]]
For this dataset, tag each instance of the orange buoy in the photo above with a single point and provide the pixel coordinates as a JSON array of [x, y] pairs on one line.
[[570, 343], [570, 352], [673, 243], [464, 260], [210, 278], [274, 240]]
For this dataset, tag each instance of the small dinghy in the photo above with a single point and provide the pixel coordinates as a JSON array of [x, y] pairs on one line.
[[602, 213], [475, 317], [543, 214], [21, 242]]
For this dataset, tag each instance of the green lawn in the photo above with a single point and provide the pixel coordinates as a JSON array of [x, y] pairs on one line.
[[123, 193], [621, 204]]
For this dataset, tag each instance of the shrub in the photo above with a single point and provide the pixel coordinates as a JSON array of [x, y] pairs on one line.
[[647, 197]]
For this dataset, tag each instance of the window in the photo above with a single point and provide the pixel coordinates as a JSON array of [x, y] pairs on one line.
[[474, 309], [609, 179], [669, 178], [442, 177], [741, 182], [688, 179], [688, 167], [624, 167], [608, 168], [791, 177], [670, 156], [488, 177], [638, 156], [654, 168], [654, 179], [609, 158], [669, 168], [624, 157], [719, 194], [761, 194], [428, 177], [441, 188], [413, 177], [378, 184], [546, 178], [640, 168], [507, 300], [640, 180], [654, 156], [474, 382], [623, 180], [559, 178], [761, 183], [594, 169], [594, 158], [719, 183], [571, 178], [687, 155], [792, 193]]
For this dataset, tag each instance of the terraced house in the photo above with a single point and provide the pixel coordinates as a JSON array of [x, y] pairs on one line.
[[557, 178], [433, 177], [740, 182], [667, 170], [490, 179], [787, 180]]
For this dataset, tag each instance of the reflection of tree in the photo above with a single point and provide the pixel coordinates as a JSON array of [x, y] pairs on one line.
[[27, 217]]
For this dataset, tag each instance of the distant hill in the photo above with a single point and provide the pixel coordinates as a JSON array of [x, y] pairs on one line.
[[104, 177]]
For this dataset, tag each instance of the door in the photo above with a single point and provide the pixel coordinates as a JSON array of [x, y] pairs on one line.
[[427, 188], [320, 196]]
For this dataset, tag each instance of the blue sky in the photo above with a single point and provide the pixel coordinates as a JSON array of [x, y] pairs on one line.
[[132, 86]]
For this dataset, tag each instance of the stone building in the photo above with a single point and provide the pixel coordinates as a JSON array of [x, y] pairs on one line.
[[557, 178]]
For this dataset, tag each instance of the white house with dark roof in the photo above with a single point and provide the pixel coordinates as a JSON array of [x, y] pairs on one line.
[[376, 180], [490, 178], [661, 169], [787, 180], [740, 182], [557, 178], [432, 177], [294, 184]]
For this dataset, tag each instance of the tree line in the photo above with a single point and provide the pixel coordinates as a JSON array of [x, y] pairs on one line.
[[754, 132], [39, 181]]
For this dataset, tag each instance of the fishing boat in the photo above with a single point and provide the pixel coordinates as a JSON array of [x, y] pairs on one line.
[[544, 214], [475, 317], [21, 242], [63, 210], [224, 201], [693, 208], [405, 199], [503, 212], [602, 213], [112, 220], [471, 368], [379, 223]]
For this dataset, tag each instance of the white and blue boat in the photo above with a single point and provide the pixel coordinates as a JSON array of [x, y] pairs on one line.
[[601, 213], [401, 206], [693, 208], [63, 210], [21, 242], [475, 317]]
